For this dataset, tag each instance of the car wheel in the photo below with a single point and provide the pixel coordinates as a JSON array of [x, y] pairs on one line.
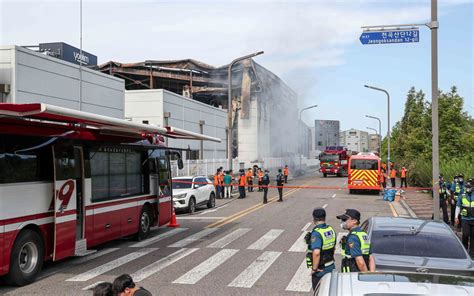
[[192, 205], [212, 201], [26, 258], [144, 223], [351, 191]]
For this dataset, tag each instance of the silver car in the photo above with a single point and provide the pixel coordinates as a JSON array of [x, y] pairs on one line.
[[416, 245], [393, 283]]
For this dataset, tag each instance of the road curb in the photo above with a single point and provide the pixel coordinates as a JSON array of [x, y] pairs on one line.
[[407, 207]]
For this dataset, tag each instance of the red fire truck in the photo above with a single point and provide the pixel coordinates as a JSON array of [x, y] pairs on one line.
[[333, 161], [71, 180]]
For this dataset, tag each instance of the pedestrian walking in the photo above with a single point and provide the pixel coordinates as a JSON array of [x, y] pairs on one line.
[[321, 243], [249, 175], [265, 183], [260, 175], [242, 184], [103, 289], [124, 286], [393, 176], [443, 199], [227, 185], [280, 179], [356, 245], [286, 172], [465, 207], [403, 177]]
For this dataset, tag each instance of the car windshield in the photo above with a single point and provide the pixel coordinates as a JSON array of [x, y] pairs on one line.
[[182, 183], [364, 164], [420, 244], [328, 158]]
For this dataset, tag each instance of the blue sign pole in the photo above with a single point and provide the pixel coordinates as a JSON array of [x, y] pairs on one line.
[[390, 37]]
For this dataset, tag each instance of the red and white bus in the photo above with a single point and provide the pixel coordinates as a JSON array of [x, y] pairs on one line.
[[364, 172], [71, 180]]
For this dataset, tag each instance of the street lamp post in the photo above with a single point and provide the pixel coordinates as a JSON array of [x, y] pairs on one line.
[[388, 123], [230, 127], [378, 136], [380, 132]]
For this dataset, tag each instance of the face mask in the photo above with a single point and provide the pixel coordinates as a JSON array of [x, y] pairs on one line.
[[461, 180], [455, 180], [344, 225], [468, 190]]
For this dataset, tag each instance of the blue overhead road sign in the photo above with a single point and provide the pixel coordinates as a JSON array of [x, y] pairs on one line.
[[387, 37]]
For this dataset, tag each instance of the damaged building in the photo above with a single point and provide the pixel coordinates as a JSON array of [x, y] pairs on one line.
[[265, 109]]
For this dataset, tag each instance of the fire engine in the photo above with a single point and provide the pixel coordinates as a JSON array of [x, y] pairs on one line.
[[364, 173], [333, 161], [71, 180]]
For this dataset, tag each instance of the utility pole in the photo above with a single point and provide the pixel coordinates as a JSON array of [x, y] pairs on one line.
[[434, 105]]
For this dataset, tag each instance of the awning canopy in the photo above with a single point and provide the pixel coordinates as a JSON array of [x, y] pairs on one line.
[[47, 114]]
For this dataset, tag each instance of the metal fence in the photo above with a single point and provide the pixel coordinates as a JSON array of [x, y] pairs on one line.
[[208, 167]]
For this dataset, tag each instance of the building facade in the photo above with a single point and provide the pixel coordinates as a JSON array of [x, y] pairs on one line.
[[326, 133], [165, 108], [374, 142], [27, 76], [355, 140]]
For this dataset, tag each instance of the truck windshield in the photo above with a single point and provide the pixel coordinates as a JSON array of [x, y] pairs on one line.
[[364, 164], [329, 158]]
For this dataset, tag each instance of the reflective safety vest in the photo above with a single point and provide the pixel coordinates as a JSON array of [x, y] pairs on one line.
[[467, 207], [216, 180], [404, 173], [260, 176], [457, 189], [242, 181], [285, 171], [326, 257], [393, 173], [349, 264]]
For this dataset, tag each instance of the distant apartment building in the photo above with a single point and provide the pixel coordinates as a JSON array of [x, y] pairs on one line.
[[355, 140], [326, 133], [374, 142]]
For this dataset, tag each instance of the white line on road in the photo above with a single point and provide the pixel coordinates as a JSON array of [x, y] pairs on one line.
[[197, 273], [229, 238], [213, 210], [159, 237], [301, 281], [110, 265], [338, 246], [325, 205], [265, 240], [161, 264], [251, 274], [190, 239], [200, 218], [334, 195], [306, 226], [90, 287], [299, 245]]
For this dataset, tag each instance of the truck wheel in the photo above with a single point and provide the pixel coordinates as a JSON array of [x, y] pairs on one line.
[[325, 175], [212, 201], [26, 258], [145, 221], [351, 191]]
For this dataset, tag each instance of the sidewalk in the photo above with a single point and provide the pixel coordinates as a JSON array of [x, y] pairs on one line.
[[421, 203]]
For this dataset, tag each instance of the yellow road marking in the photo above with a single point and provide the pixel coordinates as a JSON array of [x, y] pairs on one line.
[[394, 212], [250, 210]]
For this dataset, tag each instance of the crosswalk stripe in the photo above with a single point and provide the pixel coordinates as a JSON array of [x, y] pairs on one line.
[[221, 243], [251, 274], [306, 226], [110, 265], [206, 267], [299, 245], [265, 240], [159, 237], [161, 264], [190, 239], [301, 281], [90, 287]]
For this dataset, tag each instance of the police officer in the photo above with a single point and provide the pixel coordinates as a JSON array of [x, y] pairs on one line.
[[465, 207], [265, 183], [457, 189], [280, 180], [443, 198], [321, 243], [357, 251]]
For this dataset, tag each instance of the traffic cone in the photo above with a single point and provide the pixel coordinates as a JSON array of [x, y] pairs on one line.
[[173, 222]]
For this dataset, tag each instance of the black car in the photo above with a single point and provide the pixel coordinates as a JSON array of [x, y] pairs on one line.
[[416, 245]]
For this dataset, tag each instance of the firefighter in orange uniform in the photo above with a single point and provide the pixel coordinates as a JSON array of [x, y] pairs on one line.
[[286, 173], [242, 184], [250, 179], [393, 175], [403, 177], [383, 178], [217, 183], [260, 179]]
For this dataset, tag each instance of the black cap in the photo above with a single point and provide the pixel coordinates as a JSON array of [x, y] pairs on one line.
[[279, 170], [350, 213], [319, 214]]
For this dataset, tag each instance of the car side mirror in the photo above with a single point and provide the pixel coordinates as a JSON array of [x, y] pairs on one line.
[[196, 186]]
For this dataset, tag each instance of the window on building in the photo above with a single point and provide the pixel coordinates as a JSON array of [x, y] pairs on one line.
[[192, 154], [145, 122]]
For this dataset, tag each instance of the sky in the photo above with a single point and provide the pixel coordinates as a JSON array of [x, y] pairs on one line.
[[312, 45]]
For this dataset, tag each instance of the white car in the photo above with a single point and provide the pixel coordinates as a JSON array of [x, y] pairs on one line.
[[191, 192]]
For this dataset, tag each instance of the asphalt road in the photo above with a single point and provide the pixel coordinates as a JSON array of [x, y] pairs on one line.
[[240, 248]]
